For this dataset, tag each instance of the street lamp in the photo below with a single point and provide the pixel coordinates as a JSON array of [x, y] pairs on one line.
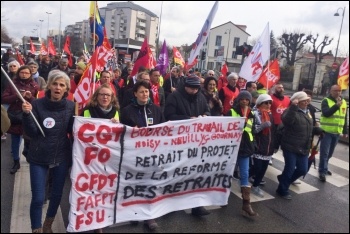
[[337, 14], [228, 42], [48, 26], [41, 26]]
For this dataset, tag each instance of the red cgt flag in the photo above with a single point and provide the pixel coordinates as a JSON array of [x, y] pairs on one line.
[[19, 58], [270, 75], [43, 49]]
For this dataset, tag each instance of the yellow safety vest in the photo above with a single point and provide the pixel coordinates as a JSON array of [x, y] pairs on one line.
[[262, 91], [88, 115], [334, 124], [248, 127]]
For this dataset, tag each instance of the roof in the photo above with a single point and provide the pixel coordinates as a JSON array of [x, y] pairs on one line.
[[130, 5], [239, 26]]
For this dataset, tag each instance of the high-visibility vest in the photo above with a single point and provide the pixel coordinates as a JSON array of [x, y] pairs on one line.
[[262, 91], [88, 115], [248, 127], [334, 124]]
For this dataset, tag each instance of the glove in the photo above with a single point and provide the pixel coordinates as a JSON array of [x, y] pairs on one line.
[[266, 124]]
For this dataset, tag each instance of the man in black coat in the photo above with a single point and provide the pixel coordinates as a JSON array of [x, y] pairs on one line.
[[186, 102]]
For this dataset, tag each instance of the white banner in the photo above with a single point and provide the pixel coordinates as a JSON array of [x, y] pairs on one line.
[[144, 173]]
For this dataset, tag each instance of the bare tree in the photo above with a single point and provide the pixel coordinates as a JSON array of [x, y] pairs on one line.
[[292, 43], [5, 38], [320, 55]]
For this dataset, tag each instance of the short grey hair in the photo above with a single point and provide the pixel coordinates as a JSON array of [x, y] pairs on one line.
[[55, 75], [14, 62], [232, 75]]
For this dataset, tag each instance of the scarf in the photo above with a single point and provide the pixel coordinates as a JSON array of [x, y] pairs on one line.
[[35, 76], [264, 118]]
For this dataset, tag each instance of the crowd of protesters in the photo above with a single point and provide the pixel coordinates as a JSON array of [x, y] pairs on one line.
[[147, 99]]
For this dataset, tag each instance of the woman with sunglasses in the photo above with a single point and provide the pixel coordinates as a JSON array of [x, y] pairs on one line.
[[264, 132]]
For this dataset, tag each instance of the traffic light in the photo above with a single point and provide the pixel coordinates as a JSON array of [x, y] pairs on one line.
[[203, 55]]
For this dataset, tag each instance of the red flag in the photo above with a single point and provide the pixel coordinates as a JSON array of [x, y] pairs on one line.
[[343, 77], [270, 75], [142, 58], [66, 49], [32, 48], [189, 66], [19, 58], [83, 91], [105, 42], [52, 49], [43, 49], [224, 69]]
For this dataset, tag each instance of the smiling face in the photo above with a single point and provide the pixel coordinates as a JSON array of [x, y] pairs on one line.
[[104, 98], [58, 88]]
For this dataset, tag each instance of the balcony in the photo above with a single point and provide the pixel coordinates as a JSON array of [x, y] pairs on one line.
[[141, 24], [139, 39], [112, 28], [140, 31]]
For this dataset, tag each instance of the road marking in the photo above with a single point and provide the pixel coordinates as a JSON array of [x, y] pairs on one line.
[[336, 179], [20, 218], [236, 189]]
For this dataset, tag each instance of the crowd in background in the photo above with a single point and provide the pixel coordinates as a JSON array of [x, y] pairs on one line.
[[272, 120]]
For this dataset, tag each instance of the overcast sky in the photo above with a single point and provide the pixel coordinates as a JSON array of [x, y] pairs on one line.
[[182, 21]]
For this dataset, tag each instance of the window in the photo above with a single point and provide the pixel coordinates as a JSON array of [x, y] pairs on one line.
[[235, 42], [216, 51], [218, 41], [234, 55]]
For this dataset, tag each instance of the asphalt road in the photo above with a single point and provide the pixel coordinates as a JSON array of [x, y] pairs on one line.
[[315, 207]]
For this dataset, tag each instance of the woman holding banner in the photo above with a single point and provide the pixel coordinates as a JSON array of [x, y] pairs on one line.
[[52, 151], [103, 104], [142, 113]]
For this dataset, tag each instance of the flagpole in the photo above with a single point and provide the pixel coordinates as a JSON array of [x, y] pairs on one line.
[[160, 21], [94, 31], [22, 99]]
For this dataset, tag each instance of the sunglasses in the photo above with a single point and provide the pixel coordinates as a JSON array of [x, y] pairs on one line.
[[267, 102]]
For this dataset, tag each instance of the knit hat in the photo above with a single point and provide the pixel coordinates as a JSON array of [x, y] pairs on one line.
[[263, 98], [300, 96], [244, 95], [81, 65], [192, 81]]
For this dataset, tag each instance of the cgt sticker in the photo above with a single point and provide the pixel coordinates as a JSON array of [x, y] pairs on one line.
[[49, 122]]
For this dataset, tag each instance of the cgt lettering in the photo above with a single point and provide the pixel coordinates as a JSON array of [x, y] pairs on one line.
[[103, 134]]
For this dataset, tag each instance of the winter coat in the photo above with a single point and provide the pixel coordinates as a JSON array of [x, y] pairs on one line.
[[56, 120], [214, 103], [10, 97], [298, 129], [180, 105], [135, 115]]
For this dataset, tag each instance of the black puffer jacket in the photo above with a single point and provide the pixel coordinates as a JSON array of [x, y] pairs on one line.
[[135, 115], [180, 105], [297, 131], [56, 120]]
